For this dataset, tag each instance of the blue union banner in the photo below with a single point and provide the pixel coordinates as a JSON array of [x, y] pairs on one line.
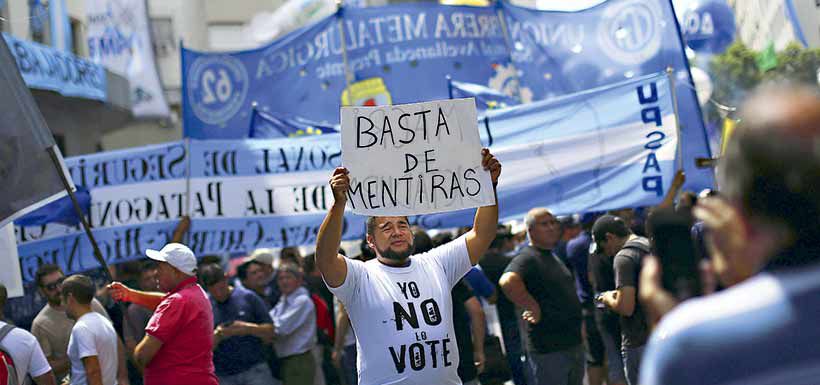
[[403, 54]]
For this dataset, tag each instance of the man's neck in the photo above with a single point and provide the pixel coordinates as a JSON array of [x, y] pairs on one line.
[[394, 263], [83, 310], [58, 306]]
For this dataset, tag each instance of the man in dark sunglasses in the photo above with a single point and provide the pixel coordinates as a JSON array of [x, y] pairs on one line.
[[52, 327]]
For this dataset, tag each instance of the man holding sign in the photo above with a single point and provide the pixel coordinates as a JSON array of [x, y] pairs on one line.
[[400, 305]]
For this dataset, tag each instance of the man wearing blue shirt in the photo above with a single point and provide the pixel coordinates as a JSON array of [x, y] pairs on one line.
[[765, 243], [241, 328]]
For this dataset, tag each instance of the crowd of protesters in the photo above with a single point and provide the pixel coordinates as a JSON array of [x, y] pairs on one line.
[[566, 300]]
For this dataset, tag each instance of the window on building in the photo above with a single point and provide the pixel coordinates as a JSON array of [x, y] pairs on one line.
[[78, 43], [162, 31]]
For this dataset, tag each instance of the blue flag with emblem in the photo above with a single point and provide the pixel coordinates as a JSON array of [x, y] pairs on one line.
[[268, 126]]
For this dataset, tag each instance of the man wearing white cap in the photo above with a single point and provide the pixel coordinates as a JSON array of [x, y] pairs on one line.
[[177, 347]]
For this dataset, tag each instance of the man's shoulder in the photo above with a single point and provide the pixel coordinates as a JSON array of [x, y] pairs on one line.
[[45, 316], [633, 249], [730, 328], [700, 320], [524, 253], [19, 333]]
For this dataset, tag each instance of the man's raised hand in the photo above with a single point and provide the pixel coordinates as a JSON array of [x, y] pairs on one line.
[[491, 164], [339, 183]]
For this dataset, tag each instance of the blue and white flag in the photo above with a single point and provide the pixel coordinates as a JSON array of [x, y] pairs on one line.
[[120, 39], [59, 211], [28, 176], [486, 98]]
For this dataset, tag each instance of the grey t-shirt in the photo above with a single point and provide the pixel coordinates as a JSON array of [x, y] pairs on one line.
[[634, 330]]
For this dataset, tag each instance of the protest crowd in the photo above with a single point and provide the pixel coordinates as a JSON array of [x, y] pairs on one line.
[[594, 298], [390, 192]]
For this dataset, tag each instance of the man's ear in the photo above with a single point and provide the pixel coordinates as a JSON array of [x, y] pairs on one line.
[[371, 242]]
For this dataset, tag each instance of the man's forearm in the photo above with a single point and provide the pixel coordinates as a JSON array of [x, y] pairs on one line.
[[263, 331], [486, 220], [477, 325], [342, 325], [327, 245], [485, 224], [514, 288], [147, 299], [60, 366]]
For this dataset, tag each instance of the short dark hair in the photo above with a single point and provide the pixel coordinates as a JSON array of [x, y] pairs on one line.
[[290, 254], [310, 262], [210, 274], [206, 259], [442, 238], [421, 241], [80, 287], [367, 252], [371, 224], [609, 224], [44, 270], [502, 234], [242, 270]]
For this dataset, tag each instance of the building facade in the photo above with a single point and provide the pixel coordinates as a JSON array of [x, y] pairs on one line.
[[761, 21]]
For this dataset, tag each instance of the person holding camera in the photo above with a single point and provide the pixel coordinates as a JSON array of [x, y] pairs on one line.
[[764, 240], [613, 237]]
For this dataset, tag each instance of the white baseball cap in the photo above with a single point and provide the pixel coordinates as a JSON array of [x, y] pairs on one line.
[[176, 255]]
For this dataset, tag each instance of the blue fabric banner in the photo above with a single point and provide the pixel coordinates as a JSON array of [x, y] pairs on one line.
[[564, 52], [403, 53], [46, 68], [602, 149], [395, 54]]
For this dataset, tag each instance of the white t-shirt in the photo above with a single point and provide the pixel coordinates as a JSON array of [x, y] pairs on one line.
[[403, 316], [93, 335], [26, 352]]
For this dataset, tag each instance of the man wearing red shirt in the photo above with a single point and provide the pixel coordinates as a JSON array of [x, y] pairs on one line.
[[177, 348]]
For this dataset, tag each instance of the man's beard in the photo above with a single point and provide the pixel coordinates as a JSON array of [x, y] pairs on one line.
[[396, 255]]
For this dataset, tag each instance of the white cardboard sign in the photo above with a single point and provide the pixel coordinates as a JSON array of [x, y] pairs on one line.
[[411, 159]]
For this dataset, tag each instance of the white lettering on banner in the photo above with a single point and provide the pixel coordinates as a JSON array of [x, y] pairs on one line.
[[414, 158], [135, 168], [389, 31], [651, 114]]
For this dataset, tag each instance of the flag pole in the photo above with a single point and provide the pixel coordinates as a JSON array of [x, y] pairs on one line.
[[671, 75], [510, 48], [55, 159], [342, 37]]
